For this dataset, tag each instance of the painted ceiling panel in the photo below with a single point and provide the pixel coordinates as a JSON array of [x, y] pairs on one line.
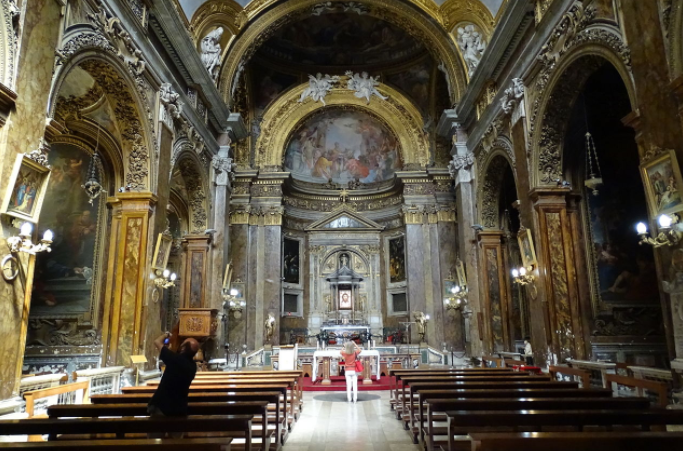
[[190, 6]]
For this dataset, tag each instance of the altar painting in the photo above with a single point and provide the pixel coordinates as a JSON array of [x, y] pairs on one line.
[[290, 262], [64, 278], [397, 260], [345, 300], [343, 145]]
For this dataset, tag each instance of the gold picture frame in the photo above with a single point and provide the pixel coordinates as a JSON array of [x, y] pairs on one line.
[[526, 248], [227, 277], [162, 251], [462, 275], [663, 184], [26, 189]]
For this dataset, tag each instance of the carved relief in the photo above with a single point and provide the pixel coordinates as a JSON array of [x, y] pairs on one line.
[[364, 86], [171, 106], [211, 51], [491, 191], [196, 195], [9, 14], [56, 332], [571, 32], [471, 42], [126, 49], [318, 87]]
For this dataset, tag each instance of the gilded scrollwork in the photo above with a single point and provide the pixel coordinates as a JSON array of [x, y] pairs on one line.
[[546, 129], [490, 192]]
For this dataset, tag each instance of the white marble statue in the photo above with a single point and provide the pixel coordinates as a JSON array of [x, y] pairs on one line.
[[421, 323], [472, 46], [364, 85], [211, 51], [270, 327], [319, 87]]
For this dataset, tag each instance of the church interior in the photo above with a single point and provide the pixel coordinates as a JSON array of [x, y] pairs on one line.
[[471, 191]]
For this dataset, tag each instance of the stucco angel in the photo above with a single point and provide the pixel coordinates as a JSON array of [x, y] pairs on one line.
[[211, 51], [472, 46], [364, 85], [318, 87]]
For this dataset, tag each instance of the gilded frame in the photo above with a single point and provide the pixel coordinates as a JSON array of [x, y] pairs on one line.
[[162, 251], [667, 156], [227, 277], [24, 165], [526, 247]]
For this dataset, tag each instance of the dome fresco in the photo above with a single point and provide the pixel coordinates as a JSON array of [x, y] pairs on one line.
[[342, 145]]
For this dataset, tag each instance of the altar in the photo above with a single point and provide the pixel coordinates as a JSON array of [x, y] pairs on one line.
[[366, 356]]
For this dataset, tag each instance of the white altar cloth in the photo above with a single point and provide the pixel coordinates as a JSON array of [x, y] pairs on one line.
[[337, 355]]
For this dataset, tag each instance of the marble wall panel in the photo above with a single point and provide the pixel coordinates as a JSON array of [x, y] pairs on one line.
[[239, 235], [452, 321], [415, 249], [23, 132], [254, 311], [272, 282], [495, 312], [132, 249]]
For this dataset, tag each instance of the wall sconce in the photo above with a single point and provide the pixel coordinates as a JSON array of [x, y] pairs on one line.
[[668, 235], [523, 276], [165, 279], [457, 299], [22, 243], [230, 301]]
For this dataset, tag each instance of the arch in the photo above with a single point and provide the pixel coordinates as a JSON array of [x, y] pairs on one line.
[[474, 11], [400, 115], [8, 42], [216, 13], [339, 249], [127, 91], [491, 187], [189, 166], [424, 29], [557, 89]]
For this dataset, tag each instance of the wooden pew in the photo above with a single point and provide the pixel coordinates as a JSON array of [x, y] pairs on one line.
[[290, 381], [409, 381], [430, 431], [400, 374], [576, 441], [259, 408], [297, 374], [584, 376], [463, 421], [272, 397], [397, 373], [122, 426], [164, 444], [660, 388], [425, 395]]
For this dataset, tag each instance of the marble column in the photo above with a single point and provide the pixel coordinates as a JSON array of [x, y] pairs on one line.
[[461, 168], [129, 264], [555, 237], [222, 172], [495, 294]]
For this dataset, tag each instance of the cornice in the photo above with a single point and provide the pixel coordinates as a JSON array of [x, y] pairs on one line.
[[168, 26], [516, 19], [7, 101]]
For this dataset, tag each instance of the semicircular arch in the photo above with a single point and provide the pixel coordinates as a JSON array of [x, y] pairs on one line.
[[491, 187], [195, 186], [417, 22], [562, 86], [397, 112]]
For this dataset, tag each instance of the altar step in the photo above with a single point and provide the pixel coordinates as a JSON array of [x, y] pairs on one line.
[[339, 384]]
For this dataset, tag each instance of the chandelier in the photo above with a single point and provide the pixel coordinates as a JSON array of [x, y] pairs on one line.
[[92, 186]]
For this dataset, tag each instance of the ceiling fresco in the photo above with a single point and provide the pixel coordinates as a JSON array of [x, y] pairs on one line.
[[339, 39], [342, 145]]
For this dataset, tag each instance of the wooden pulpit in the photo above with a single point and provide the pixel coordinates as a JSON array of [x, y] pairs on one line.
[[198, 322]]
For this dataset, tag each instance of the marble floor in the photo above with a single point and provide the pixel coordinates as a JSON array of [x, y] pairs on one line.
[[368, 425]]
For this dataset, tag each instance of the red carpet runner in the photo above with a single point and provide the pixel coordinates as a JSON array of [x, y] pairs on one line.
[[339, 384]]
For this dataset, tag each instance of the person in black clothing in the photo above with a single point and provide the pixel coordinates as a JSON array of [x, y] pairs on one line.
[[170, 398]]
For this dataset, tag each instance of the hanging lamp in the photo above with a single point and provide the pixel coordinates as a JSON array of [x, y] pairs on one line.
[[594, 179], [92, 186]]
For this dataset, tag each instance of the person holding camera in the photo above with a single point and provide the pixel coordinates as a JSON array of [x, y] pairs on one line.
[[171, 397]]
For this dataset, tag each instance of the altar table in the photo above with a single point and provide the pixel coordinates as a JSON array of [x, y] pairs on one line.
[[328, 355]]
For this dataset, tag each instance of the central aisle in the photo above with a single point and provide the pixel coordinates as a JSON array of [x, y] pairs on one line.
[[337, 425]]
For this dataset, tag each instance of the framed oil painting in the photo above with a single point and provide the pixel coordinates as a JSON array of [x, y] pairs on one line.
[[227, 277], [162, 251], [526, 246], [462, 276], [397, 260], [290, 263], [26, 189], [663, 183], [345, 300]]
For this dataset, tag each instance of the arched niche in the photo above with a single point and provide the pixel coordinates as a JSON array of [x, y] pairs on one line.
[[493, 195], [128, 93], [286, 114], [189, 183], [557, 91], [417, 22]]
